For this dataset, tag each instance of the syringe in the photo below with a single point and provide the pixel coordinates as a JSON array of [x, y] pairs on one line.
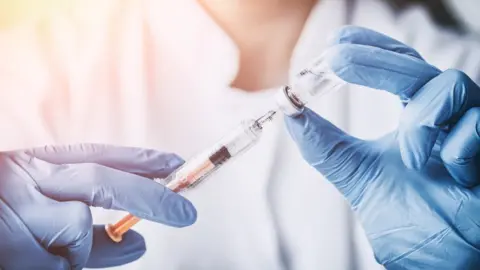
[[195, 170]]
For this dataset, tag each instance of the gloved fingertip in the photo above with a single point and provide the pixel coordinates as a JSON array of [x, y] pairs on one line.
[[321, 144], [301, 125], [185, 212], [346, 34], [309, 123], [175, 161], [293, 122], [173, 210], [301, 118]]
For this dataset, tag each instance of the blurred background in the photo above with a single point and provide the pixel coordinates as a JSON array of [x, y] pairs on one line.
[[456, 18], [458, 15]]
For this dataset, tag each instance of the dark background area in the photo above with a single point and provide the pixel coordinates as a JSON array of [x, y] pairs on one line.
[[438, 10]]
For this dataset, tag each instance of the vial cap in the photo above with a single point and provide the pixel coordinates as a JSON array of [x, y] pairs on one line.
[[285, 104]]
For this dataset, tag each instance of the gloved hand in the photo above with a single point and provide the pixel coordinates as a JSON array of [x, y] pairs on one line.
[[45, 221], [425, 216]]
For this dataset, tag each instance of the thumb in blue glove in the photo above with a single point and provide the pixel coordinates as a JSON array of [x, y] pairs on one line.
[[44, 199], [413, 219]]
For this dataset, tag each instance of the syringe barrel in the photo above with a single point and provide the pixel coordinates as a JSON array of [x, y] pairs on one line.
[[317, 80], [205, 163], [198, 168], [241, 138]]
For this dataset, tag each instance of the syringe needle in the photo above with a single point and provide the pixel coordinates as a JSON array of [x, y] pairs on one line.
[[265, 118]]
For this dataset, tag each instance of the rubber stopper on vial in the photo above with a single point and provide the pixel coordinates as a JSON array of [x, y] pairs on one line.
[[287, 103]]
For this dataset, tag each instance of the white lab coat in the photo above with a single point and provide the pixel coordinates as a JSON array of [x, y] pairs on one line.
[[156, 74]]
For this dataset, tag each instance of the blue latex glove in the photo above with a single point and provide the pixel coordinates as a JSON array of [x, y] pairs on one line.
[[426, 217], [45, 221]]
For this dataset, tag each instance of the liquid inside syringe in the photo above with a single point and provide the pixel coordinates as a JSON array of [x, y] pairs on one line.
[[197, 169], [232, 145]]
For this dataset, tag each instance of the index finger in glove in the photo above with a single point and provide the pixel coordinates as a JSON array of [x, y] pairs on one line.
[[144, 162], [376, 68], [363, 36], [101, 186]]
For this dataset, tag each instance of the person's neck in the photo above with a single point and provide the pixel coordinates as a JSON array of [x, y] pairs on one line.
[[265, 31], [253, 12]]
